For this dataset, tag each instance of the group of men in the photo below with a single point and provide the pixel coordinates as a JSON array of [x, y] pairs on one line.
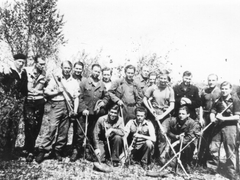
[[143, 115]]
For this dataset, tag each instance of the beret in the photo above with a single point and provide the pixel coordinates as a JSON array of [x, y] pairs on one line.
[[19, 56]]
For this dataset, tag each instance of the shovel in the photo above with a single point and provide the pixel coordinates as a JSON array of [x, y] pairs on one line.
[[97, 165]]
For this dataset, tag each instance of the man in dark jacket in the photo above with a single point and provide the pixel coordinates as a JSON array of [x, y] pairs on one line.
[[13, 89], [187, 94]]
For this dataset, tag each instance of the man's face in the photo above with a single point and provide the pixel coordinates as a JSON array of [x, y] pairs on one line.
[[163, 80], [226, 90], [96, 72], [19, 64], [113, 114], [152, 79], [182, 114], [66, 69], [41, 65], [140, 116], [78, 69], [145, 72], [212, 81], [106, 76], [187, 80], [129, 74]]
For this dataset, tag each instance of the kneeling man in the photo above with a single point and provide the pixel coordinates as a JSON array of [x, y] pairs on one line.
[[109, 126], [142, 133]]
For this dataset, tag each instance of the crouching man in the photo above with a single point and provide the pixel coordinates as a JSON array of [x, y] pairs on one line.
[[109, 126], [142, 135], [185, 128]]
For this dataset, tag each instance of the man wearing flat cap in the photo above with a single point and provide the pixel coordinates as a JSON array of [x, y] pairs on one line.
[[13, 89]]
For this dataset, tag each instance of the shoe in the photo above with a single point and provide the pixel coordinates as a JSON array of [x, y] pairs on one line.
[[40, 157], [58, 156], [162, 161], [29, 158], [74, 156], [144, 166]]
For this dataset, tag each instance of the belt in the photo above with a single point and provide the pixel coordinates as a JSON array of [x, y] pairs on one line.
[[57, 101], [32, 98]]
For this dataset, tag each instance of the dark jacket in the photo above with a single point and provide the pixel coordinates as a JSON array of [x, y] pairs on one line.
[[191, 93]]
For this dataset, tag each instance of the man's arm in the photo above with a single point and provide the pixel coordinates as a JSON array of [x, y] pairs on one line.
[[113, 94], [119, 129]]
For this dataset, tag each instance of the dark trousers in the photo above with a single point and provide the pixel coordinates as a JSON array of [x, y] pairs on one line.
[[204, 154], [78, 134], [224, 134], [33, 114], [144, 153], [186, 154], [56, 136], [116, 144]]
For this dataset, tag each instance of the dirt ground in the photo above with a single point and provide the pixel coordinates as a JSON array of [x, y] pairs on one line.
[[51, 169]]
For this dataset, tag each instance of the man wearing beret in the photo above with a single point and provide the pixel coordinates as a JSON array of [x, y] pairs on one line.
[[13, 88]]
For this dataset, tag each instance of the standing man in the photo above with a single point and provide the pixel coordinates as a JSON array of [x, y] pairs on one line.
[[152, 78], [225, 130], [142, 79], [34, 105], [125, 92], [208, 98], [187, 94], [109, 126], [184, 126], [92, 101], [13, 89], [59, 113], [106, 77], [142, 135], [78, 69], [163, 100]]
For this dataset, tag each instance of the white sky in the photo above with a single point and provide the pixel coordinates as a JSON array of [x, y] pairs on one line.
[[200, 36]]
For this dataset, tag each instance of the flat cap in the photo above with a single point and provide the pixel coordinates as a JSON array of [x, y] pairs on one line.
[[19, 56]]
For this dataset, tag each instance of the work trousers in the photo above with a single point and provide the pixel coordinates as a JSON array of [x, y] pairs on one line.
[[33, 114], [144, 153], [116, 145], [204, 154], [78, 134], [56, 136], [225, 134]]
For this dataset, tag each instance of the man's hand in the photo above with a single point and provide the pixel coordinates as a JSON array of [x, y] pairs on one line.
[[120, 103], [60, 90], [137, 135], [108, 132], [73, 114], [185, 100], [219, 116], [159, 117], [97, 152], [101, 104], [175, 143], [85, 112]]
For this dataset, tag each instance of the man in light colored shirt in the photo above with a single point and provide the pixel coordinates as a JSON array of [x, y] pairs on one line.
[[141, 134], [59, 113]]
